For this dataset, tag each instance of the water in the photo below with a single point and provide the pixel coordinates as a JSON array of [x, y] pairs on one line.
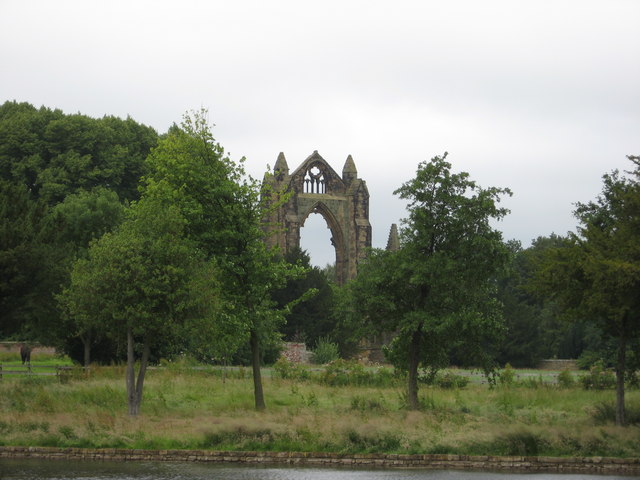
[[94, 470]]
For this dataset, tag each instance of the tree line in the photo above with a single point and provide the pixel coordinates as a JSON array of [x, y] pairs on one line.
[[117, 243]]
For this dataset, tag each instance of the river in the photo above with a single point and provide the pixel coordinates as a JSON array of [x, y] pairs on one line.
[[31, 469]]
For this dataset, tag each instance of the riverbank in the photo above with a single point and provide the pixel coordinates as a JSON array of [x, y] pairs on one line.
[[586, 465]]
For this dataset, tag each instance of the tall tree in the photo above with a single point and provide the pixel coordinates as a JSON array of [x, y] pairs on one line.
[[437, 292], [596, 272], [45, 157], [53, 154], [223, 211]]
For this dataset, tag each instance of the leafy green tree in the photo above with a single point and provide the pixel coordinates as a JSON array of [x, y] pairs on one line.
[[50, 164], [30, 262], [81, 218], [312, 319], [437, 293], [139, 284], [223, 211], [54, 154], [595, 273], [535, 327]]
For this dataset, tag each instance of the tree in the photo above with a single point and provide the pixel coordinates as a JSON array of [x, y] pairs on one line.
[[595, 273], [437, 292], [223, 212], [53, 154], [535, 327], [49, 164], [312, 319], [82, 217], [139, 284], [29, 261]]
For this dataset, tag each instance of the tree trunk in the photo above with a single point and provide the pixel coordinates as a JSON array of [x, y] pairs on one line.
[[130, 375], [255, 363], [144, 361], [620, 370], [414, 360], [86, 343]]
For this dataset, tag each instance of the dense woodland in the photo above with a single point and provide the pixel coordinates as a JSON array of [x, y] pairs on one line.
[[117, 243]]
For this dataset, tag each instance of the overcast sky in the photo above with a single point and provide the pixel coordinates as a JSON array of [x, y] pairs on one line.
[[539, 96]]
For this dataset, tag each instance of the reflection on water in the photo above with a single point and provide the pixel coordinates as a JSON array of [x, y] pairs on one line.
[[93, 470]]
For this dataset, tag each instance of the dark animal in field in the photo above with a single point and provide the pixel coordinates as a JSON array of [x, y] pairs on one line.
[[25, 354]]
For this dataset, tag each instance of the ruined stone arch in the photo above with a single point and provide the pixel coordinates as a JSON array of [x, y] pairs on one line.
[[315, 187]]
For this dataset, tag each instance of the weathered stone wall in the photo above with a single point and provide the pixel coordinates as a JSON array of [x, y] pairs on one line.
[[588, 465], [556, 364], [296, 352]]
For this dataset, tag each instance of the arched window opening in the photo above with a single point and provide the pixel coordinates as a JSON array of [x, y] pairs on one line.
[[314, 181], [315, 238]]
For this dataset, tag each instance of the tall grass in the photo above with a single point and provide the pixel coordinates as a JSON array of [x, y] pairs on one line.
[[187, 408]]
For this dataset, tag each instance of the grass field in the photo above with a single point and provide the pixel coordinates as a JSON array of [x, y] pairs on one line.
[[204, 408]]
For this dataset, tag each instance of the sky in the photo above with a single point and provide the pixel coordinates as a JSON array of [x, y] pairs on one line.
[[542, 97]]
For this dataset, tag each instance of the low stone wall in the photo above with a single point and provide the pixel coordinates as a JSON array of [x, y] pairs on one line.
[[557, 364], [296, 352], [588, 465]]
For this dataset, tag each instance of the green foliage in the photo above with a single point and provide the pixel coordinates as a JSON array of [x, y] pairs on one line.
[[598, 378], [54, 155], [595, 273], [450, 380], [222, 210], [535, 328], [436, 295], [31, 264], [566, 379], [507, 376], [61, 180], [605, 412], [367, 404], [326, 351], [312, 319]]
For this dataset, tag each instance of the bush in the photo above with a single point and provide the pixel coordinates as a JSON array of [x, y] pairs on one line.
[[290, 370], [507, 376], [566, 380], [326, 351], [345, 372], [451, 380], [521, 443], [598, 378]]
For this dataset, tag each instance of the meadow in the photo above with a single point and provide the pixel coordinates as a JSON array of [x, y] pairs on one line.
[[341, 408]]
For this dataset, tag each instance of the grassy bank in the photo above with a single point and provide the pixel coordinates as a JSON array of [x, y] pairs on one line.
[[186, 408]]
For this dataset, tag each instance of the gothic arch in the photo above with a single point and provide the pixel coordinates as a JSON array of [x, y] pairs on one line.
[[315, 187]]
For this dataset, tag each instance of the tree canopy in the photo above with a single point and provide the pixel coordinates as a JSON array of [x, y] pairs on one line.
[[438, 291], [595, 273]]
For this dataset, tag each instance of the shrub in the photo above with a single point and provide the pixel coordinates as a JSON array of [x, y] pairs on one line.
[[326, 351], [598, 378], [566, 380], [507, 376], [532, 382], [290, 370], [345, 372], [451, 380]]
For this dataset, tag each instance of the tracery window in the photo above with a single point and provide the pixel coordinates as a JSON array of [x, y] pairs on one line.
[[314, 181]]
